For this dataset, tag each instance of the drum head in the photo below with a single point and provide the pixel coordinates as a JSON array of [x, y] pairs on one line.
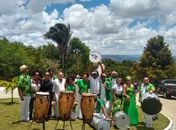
[[66, 92], [42, 93], [95, 56], [151, 106], [87, 94]]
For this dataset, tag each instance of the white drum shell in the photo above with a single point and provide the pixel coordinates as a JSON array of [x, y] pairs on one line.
[[122, 120], [100, 124]]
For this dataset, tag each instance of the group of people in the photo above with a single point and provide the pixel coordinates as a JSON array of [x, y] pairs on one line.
[[112, 93]]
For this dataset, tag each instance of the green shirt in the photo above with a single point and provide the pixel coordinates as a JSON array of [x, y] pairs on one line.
[[83, 86], [100, 105], [108, 94], [24, 83], [70, 88], [148, 88]]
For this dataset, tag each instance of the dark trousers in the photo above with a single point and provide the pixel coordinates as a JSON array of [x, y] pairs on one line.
[[31, 107]]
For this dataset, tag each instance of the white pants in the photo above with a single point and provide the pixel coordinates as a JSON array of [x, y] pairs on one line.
[[79, 113], [25, 108], [56, 106], [148, 120], [108, 106]]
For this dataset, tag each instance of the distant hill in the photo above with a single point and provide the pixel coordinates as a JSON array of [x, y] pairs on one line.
[[126, 57], [122, 57]]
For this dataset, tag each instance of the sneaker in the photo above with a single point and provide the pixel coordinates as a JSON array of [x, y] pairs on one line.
[[149, 126]]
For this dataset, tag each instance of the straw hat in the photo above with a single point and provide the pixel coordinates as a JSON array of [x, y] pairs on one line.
[[23, 67]]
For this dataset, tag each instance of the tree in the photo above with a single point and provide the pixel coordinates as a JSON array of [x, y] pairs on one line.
[[60, 33], [155, 60], [156, 53], [78, 57]]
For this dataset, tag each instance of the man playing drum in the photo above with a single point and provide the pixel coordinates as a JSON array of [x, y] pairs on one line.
[[106, 93], [100, 118], [146, 87]]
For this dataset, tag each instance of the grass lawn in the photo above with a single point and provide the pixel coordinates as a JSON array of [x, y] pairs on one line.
[[10, 114]]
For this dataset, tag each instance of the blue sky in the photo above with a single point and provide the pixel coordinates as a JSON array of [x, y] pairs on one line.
[[109, 26]]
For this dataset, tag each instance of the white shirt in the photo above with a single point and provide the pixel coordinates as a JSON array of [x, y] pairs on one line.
[[113, 81], [94, 84], [118, 89], [35, 87], [59, 85], [143, 89]]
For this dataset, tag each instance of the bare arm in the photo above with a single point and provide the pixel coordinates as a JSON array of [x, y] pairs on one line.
[[114, 94], [104, 112]]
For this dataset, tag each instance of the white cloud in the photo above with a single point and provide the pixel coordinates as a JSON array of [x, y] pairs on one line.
[[103, 28], [38, 6]]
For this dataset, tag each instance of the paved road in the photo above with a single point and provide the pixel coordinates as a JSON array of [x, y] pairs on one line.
[[169, 109], [7, 95]]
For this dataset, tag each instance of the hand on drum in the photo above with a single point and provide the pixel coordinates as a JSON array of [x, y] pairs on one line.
[[53, 103], [151, 91]]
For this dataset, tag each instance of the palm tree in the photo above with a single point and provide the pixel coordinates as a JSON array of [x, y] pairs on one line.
[[60, 33], [9, 86]]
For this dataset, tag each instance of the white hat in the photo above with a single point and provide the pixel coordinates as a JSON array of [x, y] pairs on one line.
[[23, 67]]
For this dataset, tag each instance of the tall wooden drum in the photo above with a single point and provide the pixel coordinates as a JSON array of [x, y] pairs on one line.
[[66, 100], [87, 106], [41, 106]]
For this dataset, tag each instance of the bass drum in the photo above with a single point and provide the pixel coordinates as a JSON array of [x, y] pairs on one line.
[[151, 104], [122, 120], [100, 124]]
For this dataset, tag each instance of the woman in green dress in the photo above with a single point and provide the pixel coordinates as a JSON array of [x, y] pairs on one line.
[[70, 84], [117, 96], [130, 101]]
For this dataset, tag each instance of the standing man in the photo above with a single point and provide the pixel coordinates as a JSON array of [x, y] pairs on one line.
[[59, 85], [24, 92], [47, 86], [146, 87], [94, 80], [106, 93]]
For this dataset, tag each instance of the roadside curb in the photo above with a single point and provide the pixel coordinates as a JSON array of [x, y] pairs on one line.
[[170, 126]]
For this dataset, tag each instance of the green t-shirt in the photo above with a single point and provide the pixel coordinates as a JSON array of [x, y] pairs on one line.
[[148, 88], [108, 94], [70, 88], [100, 104], [24, 82], [83, 86]]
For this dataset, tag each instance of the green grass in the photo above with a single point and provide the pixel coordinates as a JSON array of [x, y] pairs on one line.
[[10, 114]]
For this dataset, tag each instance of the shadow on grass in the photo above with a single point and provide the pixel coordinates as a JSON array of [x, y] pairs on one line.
[[9, 103], [141, 126]]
